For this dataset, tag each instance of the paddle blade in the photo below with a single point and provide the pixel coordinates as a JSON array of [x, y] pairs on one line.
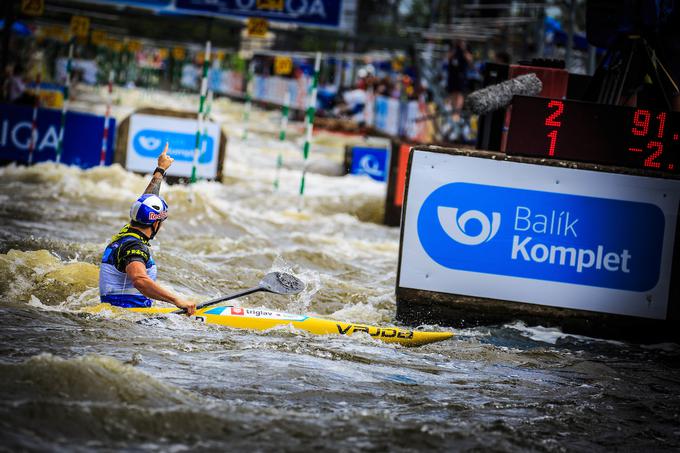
[[281, 283]]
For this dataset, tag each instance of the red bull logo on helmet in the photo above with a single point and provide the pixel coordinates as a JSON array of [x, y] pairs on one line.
[[158, 216]]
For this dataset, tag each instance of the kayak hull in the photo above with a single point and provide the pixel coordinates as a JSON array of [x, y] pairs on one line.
[[264, 319]]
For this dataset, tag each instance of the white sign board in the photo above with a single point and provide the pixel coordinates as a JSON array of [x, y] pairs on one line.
[[537, 234], [147, 135]]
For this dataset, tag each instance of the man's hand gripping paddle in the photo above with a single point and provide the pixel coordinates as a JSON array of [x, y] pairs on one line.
[[274, 282]]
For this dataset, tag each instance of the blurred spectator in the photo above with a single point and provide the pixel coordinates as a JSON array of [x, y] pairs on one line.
[[14, 82], [351, 103], [459, 61], [501, 57]]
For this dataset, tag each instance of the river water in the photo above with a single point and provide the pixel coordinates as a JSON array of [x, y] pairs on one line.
[[77, 381]]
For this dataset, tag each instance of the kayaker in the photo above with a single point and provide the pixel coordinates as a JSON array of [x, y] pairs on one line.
[[127, 276]]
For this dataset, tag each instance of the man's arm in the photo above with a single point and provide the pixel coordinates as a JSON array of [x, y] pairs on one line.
[[136, 271], [164, 162], [154, 186]]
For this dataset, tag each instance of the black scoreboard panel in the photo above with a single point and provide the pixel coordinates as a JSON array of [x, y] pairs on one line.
[[597, 133]]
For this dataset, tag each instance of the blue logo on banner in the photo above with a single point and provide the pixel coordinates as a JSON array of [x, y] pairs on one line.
[[150, 143], [369, 161], [543, 235]]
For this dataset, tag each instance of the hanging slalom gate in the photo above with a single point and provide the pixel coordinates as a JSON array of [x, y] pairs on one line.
[[34, 120], [248, 99], [309, 123], [201, 106], [105, 136], [282, 137]]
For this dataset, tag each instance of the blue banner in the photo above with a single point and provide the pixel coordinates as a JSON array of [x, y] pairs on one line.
[[324, 13], [546, 236], [149, 143], [370, 161], [83, 135]]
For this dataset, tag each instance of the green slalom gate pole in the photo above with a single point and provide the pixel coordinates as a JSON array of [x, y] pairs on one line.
[[309, 124], [64, 108], [201, 107], [282, 136], [206, 114], [249, 99]]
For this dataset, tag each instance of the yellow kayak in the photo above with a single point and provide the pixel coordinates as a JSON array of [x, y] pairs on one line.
[[263, 319]]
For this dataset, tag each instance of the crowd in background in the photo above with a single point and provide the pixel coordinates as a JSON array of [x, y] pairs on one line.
[[457, 74]]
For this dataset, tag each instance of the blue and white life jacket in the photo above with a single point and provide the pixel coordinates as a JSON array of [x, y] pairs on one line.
[[115, 287]]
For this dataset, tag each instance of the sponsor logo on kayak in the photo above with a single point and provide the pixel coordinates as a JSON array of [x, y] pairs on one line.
[[381, 332], [546, 236], [255, 313]]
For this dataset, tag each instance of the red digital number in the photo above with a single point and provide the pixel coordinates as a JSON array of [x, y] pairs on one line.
[[641, 121], [650, 161], [553, 142], [550, 121], [662, 123]]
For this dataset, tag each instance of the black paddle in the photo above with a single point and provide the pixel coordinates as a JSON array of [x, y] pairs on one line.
[[274, 282]]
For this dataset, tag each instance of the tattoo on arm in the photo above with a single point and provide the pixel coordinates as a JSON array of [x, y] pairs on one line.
[[154, 186]]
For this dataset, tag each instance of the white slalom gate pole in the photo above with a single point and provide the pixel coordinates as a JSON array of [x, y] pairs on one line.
[[105, 137], [201, 107], [34, 120], [282, 136], [309, 124]]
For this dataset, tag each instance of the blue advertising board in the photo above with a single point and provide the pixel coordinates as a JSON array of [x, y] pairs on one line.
[[313, 13], [538, 234], [324, 13], [542, 235], [148, 134], [83, 135], [372, 162]]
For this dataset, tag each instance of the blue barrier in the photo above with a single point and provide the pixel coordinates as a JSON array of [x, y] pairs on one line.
[[82, 136]]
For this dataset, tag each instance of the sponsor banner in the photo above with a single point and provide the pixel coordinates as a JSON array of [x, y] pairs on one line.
[[51, 95], [83, 135], [33, 7], [260, 313], [537, 234], [333, 14], [147, 136], [231, 82], [271, 89], [283, 65], [87, 68], [386, 115], [256, 27], [372, 162], [80, 26], [321, 13]]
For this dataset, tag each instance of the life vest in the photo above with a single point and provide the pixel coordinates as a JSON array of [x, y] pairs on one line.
[[115, 287]]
